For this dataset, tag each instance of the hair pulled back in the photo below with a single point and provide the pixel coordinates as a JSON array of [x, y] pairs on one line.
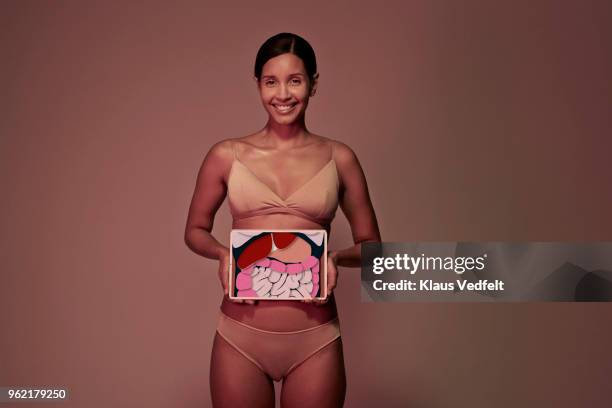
[[286, 43]]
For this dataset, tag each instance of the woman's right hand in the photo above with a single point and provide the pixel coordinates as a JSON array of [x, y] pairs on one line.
[[224, 267]]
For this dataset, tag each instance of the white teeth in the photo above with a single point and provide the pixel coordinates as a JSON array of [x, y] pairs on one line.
[[284, 107]]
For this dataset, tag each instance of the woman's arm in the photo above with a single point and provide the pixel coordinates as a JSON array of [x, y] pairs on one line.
[[208, 196], [356, 205]]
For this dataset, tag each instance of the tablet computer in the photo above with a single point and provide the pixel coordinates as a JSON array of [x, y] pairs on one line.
[[279, 264]]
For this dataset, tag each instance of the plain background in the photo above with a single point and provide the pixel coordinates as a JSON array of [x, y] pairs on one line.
[[473, 120]]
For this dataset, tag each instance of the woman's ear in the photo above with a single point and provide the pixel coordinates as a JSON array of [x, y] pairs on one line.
[[315, 82]]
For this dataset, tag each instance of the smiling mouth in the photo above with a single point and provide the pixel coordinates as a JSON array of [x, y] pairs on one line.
[[284, 108]]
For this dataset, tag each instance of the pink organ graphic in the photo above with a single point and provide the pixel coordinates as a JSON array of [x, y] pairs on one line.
[[278, 264]]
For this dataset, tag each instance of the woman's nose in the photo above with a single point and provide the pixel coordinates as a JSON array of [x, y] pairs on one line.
[[283, 91]]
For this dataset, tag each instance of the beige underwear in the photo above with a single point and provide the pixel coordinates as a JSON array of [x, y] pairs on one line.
[[277, 353]]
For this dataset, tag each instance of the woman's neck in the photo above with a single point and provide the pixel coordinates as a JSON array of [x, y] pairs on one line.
[[285, 136]]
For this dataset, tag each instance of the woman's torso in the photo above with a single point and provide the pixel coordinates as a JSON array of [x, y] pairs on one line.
[[296, 189]]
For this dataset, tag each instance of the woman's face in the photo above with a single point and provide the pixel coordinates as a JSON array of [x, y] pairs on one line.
[[284, 88]]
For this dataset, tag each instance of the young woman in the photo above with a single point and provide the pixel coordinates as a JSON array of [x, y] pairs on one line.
[[281, 177]]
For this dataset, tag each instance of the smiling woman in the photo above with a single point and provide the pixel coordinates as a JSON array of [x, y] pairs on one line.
[[285, 88], [286, 73], [280, 177]]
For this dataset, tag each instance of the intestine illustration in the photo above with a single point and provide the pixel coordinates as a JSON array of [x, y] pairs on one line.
[[277, 265]]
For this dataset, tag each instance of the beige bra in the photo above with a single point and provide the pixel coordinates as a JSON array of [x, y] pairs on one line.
[[316, 200]]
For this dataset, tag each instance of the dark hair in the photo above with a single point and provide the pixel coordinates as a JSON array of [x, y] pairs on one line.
[[286, 43]]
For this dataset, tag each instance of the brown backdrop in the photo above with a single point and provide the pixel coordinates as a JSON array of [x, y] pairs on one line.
[[473, 120]]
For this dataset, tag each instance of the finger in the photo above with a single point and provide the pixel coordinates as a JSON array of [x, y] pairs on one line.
[[319, 301], [223, 282], [332, 280], [234, 299]]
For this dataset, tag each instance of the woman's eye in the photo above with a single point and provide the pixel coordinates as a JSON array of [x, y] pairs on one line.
[[295, 81], [269, 83]]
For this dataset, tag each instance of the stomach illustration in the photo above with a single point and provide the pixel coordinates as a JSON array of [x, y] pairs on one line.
[[277, 264]]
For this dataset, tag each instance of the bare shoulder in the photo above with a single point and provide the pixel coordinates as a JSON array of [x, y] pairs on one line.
[[243, 146], [222, 149], [226, 148], [219, 159], [343, 154], [340, 151]]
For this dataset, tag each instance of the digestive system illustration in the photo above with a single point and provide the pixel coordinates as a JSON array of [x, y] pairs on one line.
[[277, 265]]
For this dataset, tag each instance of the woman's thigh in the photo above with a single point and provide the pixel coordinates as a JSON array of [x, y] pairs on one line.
[[319, 382], [235, 381]]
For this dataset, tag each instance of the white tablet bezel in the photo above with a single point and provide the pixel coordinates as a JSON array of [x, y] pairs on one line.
[[253, 232]]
